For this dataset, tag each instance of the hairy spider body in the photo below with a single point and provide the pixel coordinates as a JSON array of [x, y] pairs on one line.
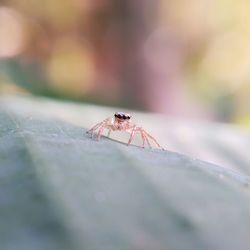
[[121, 122]]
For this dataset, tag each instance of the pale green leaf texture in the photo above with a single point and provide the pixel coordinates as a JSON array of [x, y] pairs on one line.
[[61, 190]]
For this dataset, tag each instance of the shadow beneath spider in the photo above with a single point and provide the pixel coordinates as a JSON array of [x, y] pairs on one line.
[[93, 137]]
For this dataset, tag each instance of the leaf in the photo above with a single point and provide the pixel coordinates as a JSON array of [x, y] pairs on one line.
[[60, 189]]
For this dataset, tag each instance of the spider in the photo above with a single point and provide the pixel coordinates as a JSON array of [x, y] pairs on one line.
[[121, 122]]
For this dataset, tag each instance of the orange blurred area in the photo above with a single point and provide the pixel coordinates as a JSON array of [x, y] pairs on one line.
[[181, 58]]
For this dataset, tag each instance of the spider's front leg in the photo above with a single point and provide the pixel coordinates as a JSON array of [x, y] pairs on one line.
[[99, 127], [91, 131]]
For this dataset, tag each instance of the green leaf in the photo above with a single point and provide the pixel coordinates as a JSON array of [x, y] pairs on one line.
[[60, 189]]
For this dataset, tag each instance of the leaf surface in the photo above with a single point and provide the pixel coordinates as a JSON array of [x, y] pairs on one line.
[[60, 189]]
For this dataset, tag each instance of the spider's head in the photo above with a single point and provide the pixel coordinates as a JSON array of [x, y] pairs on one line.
[[120, 116]]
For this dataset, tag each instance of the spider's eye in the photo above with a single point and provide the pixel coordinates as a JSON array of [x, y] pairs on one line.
[[122, 116], [118, 116]]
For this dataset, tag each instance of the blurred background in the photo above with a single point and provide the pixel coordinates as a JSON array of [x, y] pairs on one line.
[[181, 58]]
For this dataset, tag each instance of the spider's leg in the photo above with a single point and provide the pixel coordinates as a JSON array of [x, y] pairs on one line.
[[143, 139], [99, 134], [97, 126], [94, 128], [149, 144], [131, 136], [153, 139]]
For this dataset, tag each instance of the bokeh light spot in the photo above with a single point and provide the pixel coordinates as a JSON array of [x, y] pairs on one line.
[[70, 68], [227, 60], [12, 32]]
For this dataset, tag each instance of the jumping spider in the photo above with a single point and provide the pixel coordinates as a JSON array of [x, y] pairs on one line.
[[121, 122]]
